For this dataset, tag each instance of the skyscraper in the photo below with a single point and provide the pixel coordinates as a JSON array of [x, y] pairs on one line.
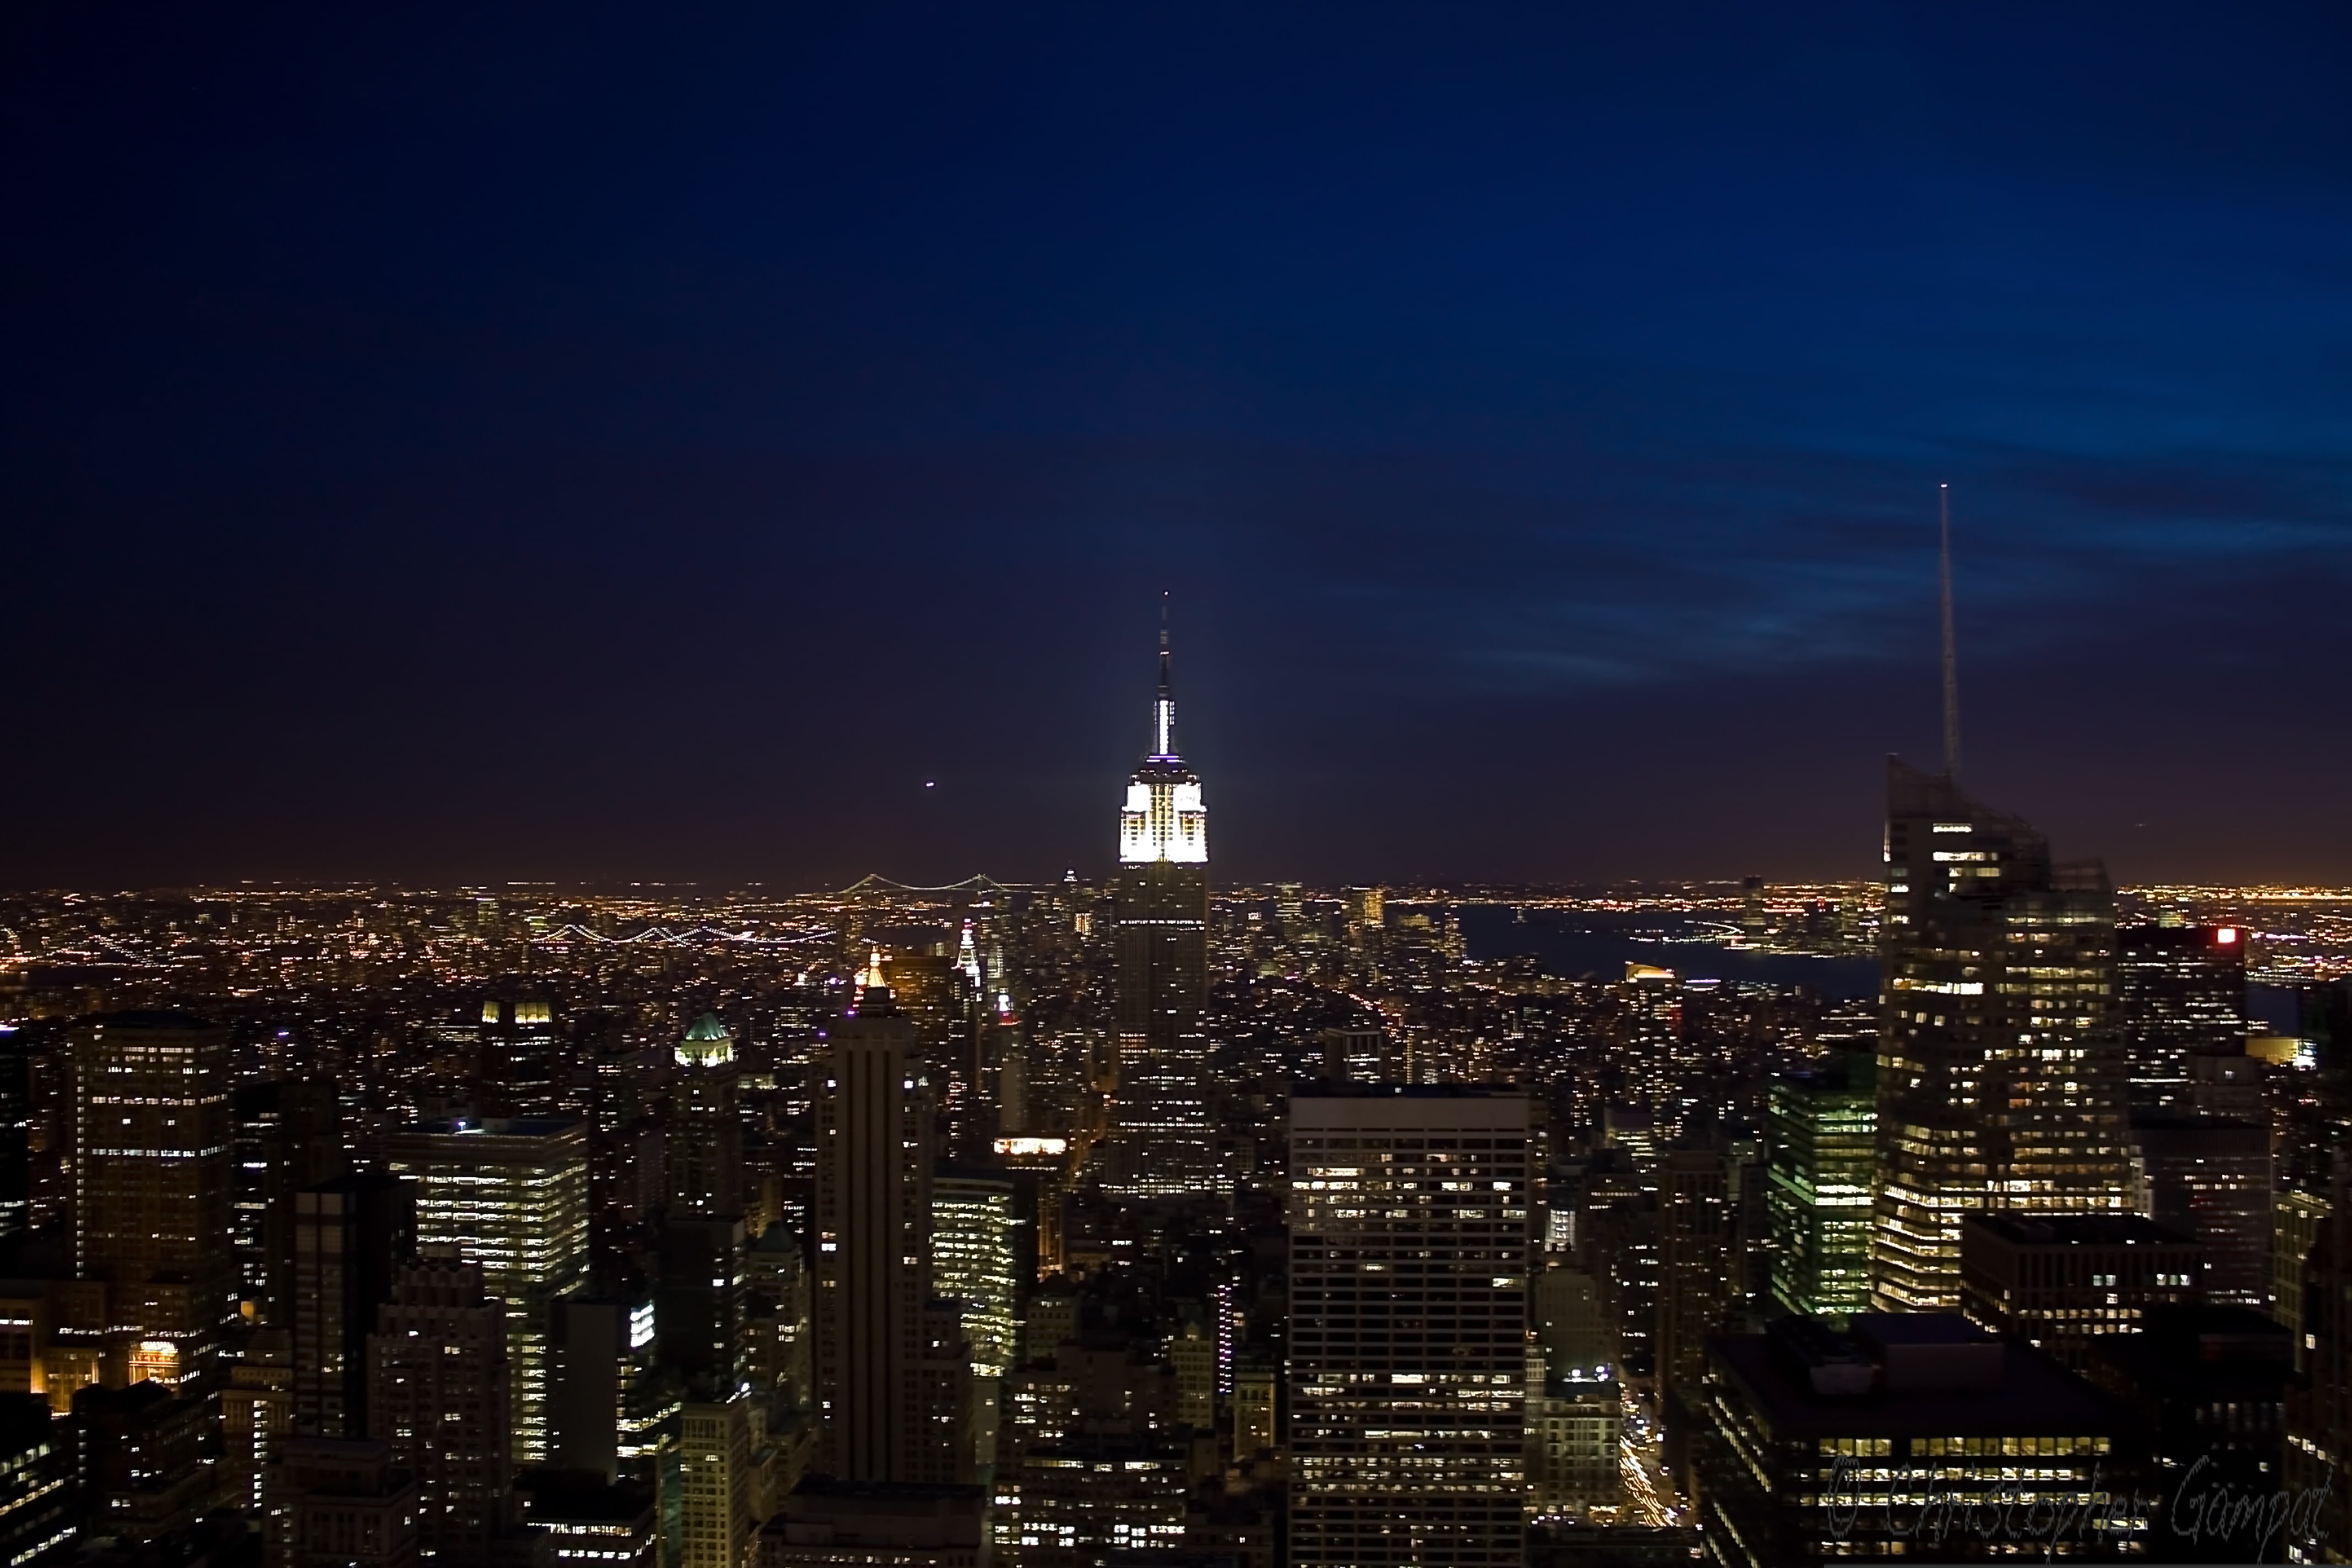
[[886, 1406], [1166, 1135], [1408, 1249], [154, 1175], [2002, 1079], [351, 1234], [2180, 1000], [511, 1196], [1823, 1148], [700, 1303], [437, 1389]]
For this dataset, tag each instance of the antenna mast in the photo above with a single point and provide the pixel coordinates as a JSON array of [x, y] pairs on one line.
[[1951, 653]]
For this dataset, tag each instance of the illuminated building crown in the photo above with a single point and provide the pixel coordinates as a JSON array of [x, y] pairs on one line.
[[1164, 817]]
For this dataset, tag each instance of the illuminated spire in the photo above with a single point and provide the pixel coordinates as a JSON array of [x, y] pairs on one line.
[[1163, 711], [1164, 818], [1951, 652], [870, 977]]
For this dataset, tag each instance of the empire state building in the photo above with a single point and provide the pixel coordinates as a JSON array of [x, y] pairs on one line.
[[1166, 1136]]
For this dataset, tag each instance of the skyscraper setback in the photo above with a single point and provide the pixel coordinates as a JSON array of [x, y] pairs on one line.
[[2002, 1081], [1166, 1141]]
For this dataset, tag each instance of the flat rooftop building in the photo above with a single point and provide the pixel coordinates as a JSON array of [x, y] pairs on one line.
[[1913, 1436]]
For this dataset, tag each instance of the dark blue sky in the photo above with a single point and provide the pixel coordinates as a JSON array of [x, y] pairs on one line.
[[481, 442]]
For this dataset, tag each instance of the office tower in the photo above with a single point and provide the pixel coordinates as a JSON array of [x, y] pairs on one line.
[[154, 1178], [38, 1506], [881, 1418], [257, 1404], [1824, 1145], [973, 1221], [2180, 995], [714, 1470], [605, 1403], [16, 1135], [2058, 1281], [289, 1136], [520, 1057], [349, 1234], [141, 1459], [1911, 1436], [2000, 1080], [340, 1502], [1696, 1275], [700, 1298], [1166, 1134], [511, 1196], [1408, 1249], [437, 1391], [2209, 1177]]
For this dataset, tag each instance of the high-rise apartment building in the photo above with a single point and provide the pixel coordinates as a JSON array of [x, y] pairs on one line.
[[155, 1177], [1825, 1148], [2001, 1078], [437, 1393], [1165, 1128], [513, 1197], [887, 1408], [1409, 1242]]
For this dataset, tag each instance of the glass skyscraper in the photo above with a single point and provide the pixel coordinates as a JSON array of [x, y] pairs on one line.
[[2002, 1081]]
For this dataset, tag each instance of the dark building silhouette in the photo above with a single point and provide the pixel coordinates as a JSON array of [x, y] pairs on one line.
[[700, 1303], [351, 1236], [340, 1502], [891, 1400], [288, 1137], [437, 1391], [39, 1513]]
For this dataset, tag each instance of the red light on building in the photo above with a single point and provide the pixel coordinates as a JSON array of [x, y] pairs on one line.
[[2226, 935]]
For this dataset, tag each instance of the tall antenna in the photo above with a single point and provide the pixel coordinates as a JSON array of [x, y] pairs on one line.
[[1163, 711], [1951, 652]]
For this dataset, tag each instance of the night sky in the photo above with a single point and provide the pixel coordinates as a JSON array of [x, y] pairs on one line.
[[468, 443]]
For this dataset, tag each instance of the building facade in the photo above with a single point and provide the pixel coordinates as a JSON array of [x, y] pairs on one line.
[[1409, 1242], [155, 1180], [1166, 1137], [889, 1410], [510, 1195], [2001, 1078], [1823, 1136]]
